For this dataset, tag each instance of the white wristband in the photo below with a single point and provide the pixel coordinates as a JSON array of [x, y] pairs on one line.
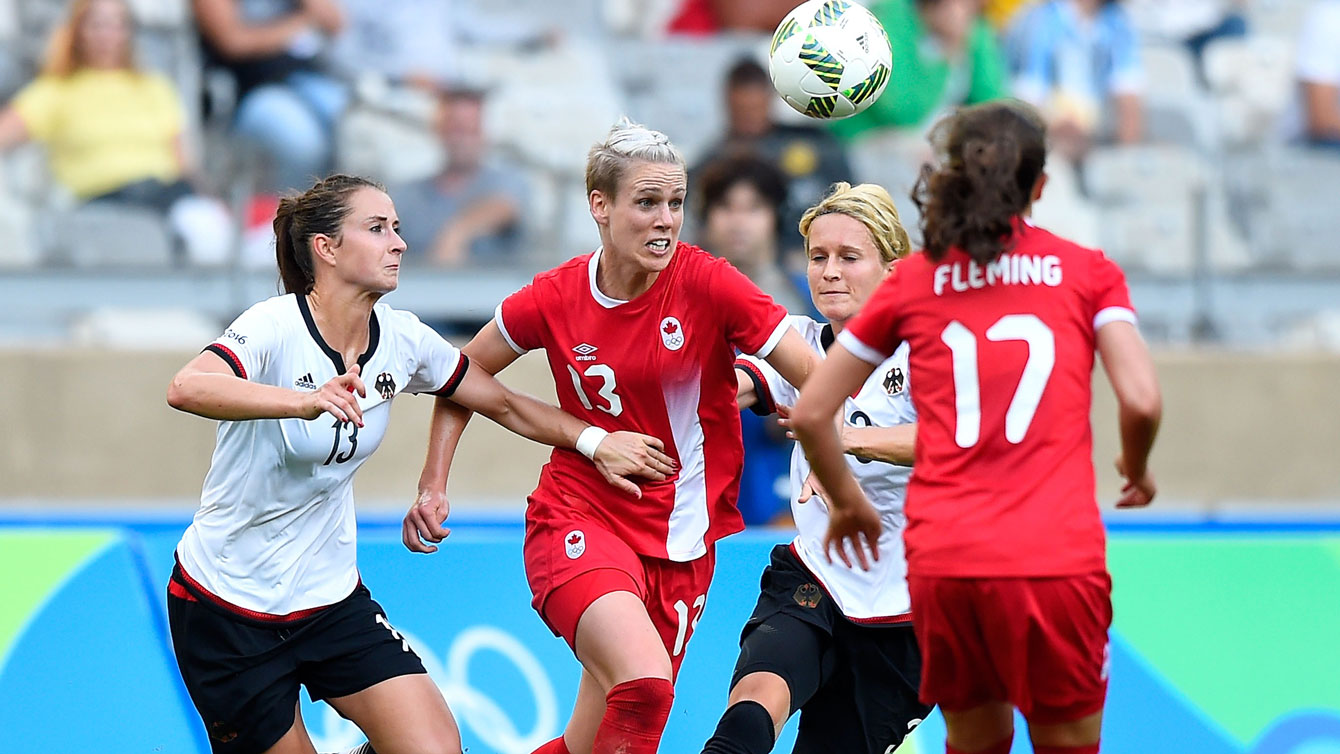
[[589, 440]]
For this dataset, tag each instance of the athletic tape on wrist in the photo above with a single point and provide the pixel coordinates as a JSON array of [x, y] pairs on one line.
[[589, 440]]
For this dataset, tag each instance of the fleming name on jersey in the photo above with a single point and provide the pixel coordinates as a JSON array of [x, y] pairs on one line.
[[1009, 269]]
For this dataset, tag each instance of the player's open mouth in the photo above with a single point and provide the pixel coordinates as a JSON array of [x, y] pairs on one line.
[[659, 246]]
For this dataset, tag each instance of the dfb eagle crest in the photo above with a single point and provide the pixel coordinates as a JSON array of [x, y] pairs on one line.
[[385, 385], [894, 381]]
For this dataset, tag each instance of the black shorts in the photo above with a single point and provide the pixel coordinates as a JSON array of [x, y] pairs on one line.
[[243, 674], [854, 685]]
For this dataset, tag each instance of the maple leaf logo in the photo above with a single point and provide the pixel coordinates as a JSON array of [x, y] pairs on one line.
[[671, 328], [575, 538]]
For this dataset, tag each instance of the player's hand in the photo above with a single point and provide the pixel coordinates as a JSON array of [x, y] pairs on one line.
[[812, 490], [629, 454], [857, 525], [784, 419], [424, 522], [1136, 493], [337, 398]]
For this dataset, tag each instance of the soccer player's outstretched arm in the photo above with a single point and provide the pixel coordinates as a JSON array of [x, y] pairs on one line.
[[208, 386], [851, 516], [1130, 369], [793, 358]]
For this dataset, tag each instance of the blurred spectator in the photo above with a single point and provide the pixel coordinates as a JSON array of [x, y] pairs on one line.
[[1318, 66], [944, 55], [741, 198], [1077, 61], [287, 106], [418, 42], [739, 206], [1194, 23], [113, 132], [713, 16], [470, 210], [1002, 13], [810, 157]]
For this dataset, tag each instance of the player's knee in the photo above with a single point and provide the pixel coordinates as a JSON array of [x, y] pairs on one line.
[[769, 690], [1067, 736], [642, 703]]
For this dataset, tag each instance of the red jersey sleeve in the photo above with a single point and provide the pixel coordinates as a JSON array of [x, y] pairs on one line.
[[754, 322], [1110, 298], [872, 336], [520, 320]]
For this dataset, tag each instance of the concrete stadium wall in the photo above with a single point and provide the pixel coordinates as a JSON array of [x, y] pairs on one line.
[[93, 424]]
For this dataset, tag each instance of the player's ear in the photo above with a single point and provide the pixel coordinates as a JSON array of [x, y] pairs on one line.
[[323, 248], [1038, 186], [600, 208]]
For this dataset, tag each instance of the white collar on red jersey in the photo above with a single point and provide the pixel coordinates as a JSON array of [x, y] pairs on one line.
[[591, 267]]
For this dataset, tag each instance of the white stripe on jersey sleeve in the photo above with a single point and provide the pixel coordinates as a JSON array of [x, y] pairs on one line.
[[1113, 314], [860, 350], [502, 328], [773, 339]]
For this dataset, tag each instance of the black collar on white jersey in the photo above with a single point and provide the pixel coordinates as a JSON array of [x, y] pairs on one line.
[[374, 335], [826, 337]]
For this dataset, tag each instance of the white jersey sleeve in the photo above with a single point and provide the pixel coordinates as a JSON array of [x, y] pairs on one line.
[[441, 366], [769, 385], [250, 343]]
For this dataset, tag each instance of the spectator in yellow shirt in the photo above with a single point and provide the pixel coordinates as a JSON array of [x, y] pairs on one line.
[[113, 132]]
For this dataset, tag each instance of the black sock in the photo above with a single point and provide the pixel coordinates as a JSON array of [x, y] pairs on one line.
[[745, 728]]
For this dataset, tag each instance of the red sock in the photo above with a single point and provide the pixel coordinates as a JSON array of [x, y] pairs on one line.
[[1002, 747], [635, 715], [556, 746], [1090, 749]]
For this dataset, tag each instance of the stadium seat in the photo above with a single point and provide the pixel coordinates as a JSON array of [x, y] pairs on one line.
[[549, 106], [109, 235], [1149, 198], [1251, 82], [174, 14], [1294, 222], [18, 247], [387, 134], [143, 328], [1063, 209], [654, 76]]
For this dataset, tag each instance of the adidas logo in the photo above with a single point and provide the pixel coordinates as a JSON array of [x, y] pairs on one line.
[[305, 382]]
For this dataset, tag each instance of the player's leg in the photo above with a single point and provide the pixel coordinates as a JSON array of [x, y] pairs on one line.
[[870, 704], [984, 729], [783, 661], [580, 733], [1075, 737], [1069, 658], [296, 741], [402, 715], [964, 665], [356, 661], [786, 655], [241, 676]]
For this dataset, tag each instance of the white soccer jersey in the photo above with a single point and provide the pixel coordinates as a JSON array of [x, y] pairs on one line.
[[880, 594], [275, 532]]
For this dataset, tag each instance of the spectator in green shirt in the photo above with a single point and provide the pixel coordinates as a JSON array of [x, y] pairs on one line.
[[944, 55]]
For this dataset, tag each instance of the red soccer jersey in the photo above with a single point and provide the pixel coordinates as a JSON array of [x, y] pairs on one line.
[[661, 364], [1002, 357]]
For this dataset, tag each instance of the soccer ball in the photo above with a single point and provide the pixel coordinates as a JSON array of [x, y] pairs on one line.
[[829, 59]]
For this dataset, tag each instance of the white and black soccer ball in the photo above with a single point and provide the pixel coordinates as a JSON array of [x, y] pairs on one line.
[[829, 59]]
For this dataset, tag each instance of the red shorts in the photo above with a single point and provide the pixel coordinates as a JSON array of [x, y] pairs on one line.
[[557, 552], [1037, 643]]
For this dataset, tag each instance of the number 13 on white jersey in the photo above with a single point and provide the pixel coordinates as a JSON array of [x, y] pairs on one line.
[[962, 344]]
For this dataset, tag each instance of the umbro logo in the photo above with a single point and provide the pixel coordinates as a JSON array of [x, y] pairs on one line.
[[585, 352], [305, 382]]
